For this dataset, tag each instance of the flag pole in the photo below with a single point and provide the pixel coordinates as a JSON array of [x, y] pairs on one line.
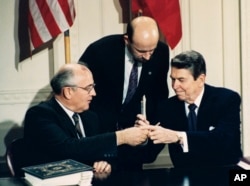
[[67, 46]]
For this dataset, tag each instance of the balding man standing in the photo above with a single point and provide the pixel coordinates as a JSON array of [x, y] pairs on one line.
[[112, 59]]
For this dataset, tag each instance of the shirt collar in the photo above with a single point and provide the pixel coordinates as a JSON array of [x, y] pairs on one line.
[[68, 112], [128, 56], [197, 101]]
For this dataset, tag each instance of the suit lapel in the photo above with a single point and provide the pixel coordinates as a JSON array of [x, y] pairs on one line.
[[117, 74], [204, 112], [180, 109], [146, 74], [90, 123], [65, 121]]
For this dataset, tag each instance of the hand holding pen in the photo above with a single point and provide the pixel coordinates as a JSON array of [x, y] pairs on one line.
[[157, 133], [142, 121]]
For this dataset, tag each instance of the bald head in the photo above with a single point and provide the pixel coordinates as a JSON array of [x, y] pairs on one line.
[[73, 67], [143, 28], [142, 37]]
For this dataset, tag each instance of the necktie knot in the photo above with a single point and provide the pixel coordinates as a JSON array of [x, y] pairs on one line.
[[192, 107], [75, 118], [135, 63]]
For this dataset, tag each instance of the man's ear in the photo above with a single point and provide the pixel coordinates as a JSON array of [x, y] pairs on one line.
[[67, 92], [202, 79], [125, 37]]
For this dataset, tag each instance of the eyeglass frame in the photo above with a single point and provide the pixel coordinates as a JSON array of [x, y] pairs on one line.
[[88, 88]]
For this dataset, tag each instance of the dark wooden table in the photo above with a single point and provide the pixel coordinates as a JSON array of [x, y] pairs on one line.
[[154, 177]]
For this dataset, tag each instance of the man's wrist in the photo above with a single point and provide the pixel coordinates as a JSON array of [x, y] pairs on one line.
[[179, 138], [119, 140], [120, 137]]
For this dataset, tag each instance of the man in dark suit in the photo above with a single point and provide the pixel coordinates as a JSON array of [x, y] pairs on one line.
[[111, 59], [215, 139], [51, 133]]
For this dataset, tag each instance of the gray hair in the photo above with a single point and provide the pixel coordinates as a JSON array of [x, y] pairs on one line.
[[64, 77]]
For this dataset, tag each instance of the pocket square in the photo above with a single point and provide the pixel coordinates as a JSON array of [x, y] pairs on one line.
[[211, 128]]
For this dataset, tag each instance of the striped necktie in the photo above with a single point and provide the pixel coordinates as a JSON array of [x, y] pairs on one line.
[[77, 125], [133, 81]]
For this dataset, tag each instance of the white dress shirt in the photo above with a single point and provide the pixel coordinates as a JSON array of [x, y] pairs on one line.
[[197, 102], [70, 114], [129, 61]]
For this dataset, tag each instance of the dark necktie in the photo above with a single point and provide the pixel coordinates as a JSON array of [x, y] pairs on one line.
[[133, 80], [192, 117], [77, 125]]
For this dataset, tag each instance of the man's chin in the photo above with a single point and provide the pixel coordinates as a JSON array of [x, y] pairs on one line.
[[180, 97], [141, 60], [86, 108]]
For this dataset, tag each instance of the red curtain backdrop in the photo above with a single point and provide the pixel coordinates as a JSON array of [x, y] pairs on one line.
[[49, 18], [166, 13]]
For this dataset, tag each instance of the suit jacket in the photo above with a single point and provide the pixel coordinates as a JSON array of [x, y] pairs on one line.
[[51, 135], [217, 140], [106, 60]]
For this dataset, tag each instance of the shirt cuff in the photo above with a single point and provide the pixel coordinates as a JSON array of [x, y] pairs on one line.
[[184, 142]]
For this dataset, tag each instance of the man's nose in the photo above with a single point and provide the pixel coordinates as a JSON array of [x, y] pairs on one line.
[[175, 84], [93, 92], [147, 55]]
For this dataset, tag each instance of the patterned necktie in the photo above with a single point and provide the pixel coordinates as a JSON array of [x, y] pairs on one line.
[[192, 117], [133, 80], [77, 125]]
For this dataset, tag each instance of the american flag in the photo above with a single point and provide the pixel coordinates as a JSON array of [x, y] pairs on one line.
[[48, 18]]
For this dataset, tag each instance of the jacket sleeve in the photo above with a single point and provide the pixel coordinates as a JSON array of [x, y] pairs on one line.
[[51, 134]]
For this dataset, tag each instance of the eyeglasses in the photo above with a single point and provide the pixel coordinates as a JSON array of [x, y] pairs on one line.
[[88, 88]]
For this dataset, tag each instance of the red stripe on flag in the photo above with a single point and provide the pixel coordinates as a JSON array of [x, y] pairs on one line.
[[66, 10], [35, 37], [166, 13], [48, 18]]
